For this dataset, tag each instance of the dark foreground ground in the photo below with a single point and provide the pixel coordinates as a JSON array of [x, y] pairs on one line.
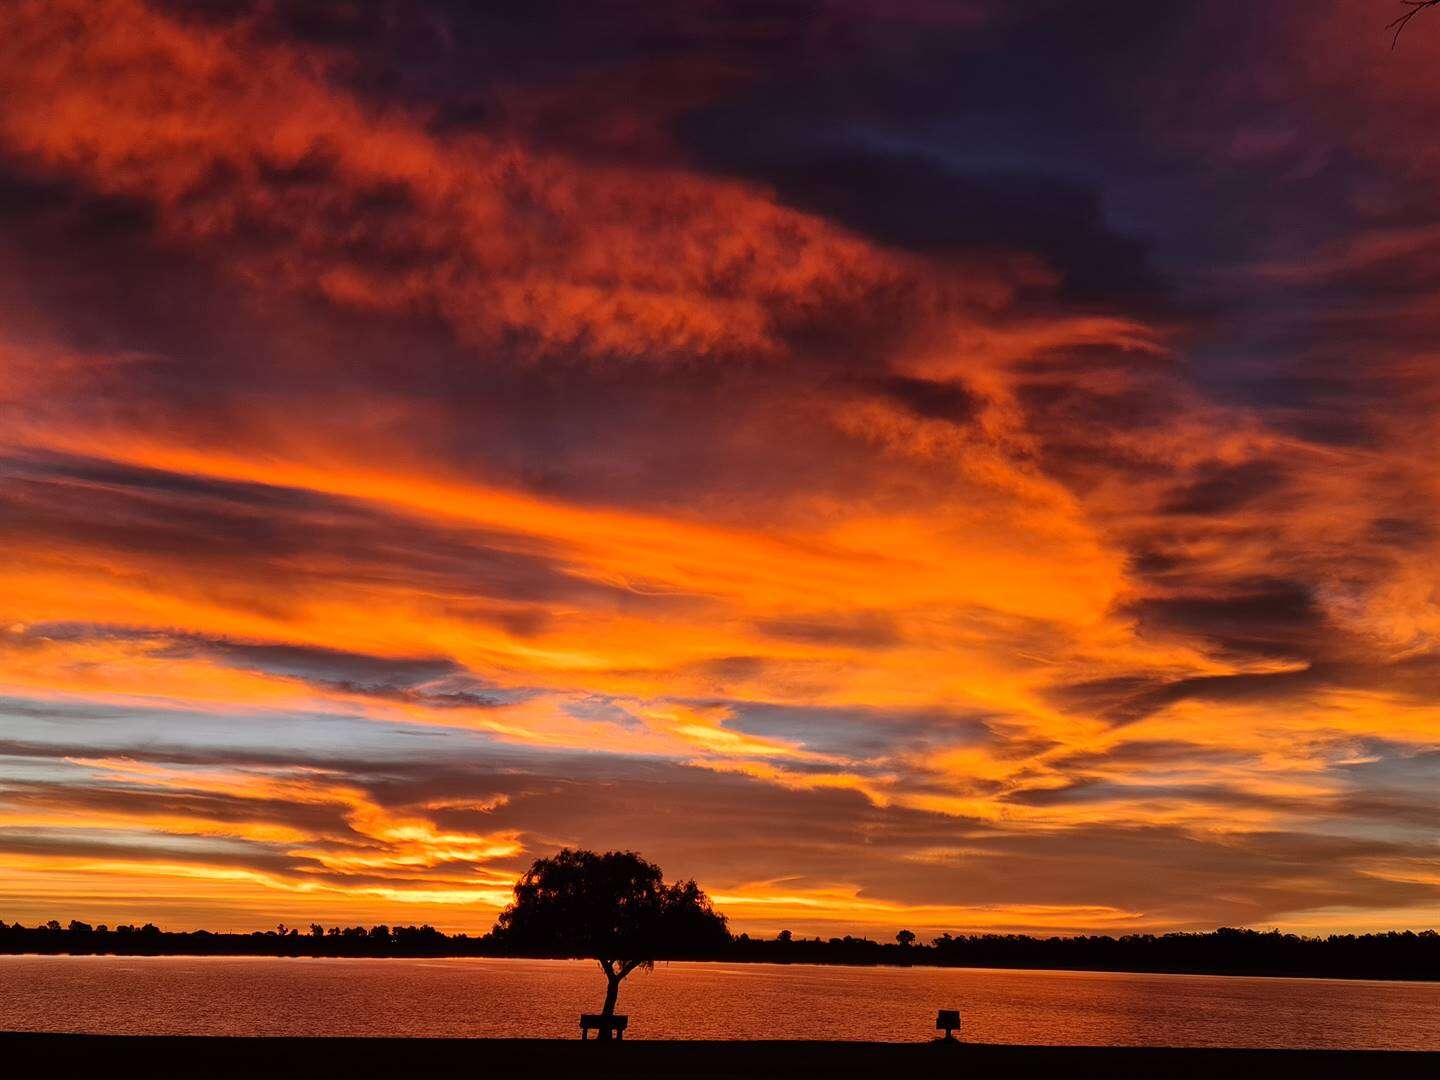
[[52, 1057]]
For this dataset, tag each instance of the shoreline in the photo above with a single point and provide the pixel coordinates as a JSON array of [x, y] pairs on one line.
[[1256, 973], [64, 1055]]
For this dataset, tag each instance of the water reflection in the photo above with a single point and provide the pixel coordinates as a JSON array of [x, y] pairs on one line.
[[474, 997]]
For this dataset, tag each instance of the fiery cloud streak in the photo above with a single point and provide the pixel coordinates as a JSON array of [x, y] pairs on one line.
[[390, 494]]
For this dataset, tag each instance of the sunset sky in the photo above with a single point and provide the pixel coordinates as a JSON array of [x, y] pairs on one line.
[[956, 464]]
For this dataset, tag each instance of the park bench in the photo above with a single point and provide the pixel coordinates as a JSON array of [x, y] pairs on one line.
[[603, 1025], [948, 1021]]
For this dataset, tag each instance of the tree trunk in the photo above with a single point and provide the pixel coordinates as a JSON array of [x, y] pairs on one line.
[[612, 991]]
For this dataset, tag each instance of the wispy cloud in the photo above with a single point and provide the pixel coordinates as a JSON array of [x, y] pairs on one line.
[[425, 442]]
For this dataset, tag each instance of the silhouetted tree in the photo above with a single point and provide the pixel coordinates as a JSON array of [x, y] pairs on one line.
[[1388, 955], [906, 938], [614, 908]]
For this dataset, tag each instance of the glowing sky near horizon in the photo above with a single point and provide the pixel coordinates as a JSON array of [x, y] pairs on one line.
[[964, 466]]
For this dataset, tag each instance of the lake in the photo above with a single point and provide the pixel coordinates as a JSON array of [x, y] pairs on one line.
[[544, 998]]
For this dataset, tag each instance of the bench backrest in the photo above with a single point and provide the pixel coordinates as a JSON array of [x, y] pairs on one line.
[[596, 1020]]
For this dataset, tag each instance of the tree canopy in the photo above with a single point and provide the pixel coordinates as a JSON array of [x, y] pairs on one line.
[[616, 906]]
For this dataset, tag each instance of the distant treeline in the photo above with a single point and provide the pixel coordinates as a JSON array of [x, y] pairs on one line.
[[1392, 955]]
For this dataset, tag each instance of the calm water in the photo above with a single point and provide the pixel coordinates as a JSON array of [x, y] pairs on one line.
[[242, 996]]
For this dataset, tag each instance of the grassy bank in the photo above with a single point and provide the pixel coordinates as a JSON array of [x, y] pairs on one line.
[[58, 1056]]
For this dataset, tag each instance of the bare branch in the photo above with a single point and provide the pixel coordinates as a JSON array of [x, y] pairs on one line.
[[1414, 7]]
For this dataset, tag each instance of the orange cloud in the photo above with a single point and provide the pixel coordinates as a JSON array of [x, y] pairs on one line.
[[508, 478]]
